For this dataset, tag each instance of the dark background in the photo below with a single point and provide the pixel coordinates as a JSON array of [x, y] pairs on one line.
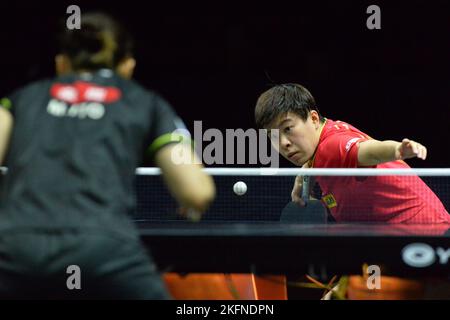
[[211, 61]]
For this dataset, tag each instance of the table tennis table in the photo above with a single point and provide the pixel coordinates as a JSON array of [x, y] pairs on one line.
[[293, 249]]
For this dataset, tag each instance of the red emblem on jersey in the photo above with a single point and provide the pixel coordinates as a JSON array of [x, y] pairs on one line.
[[81, 91]]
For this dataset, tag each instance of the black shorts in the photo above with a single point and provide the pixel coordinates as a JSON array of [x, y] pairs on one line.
[[73, 264]]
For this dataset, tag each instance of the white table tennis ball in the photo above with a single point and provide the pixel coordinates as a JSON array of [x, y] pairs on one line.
[[240, 188]]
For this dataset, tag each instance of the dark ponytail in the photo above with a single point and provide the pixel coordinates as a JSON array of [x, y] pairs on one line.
[[100, 43]]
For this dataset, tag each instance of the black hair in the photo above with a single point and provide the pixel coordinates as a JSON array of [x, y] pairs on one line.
[[101, 42], [281, 99]]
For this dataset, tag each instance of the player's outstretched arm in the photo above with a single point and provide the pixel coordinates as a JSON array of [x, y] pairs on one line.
[[193, 188], [6, 125], [373, 152]]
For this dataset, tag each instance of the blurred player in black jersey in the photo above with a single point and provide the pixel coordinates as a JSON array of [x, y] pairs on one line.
[[71, 145]]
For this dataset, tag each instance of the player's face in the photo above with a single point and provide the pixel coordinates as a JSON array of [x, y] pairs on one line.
[[297, 139]]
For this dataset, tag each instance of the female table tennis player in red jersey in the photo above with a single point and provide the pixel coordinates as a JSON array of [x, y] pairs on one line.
[[307, 139]]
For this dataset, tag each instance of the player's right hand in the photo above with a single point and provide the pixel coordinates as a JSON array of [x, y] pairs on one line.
[[296, 194], [297, 191]]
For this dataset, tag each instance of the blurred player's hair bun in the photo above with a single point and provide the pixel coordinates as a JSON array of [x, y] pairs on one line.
[[90, 39], [101, 42]]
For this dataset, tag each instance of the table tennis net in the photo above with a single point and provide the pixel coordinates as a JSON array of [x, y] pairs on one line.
[[365, 195]]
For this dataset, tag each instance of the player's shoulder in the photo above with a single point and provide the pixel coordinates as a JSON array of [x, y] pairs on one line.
[[340, 134], [339, 126], [33, 88], [336, 144], [140, 94], [336, 130], [31, 91]]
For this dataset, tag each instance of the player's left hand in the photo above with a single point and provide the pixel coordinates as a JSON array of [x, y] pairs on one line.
[[409, 149]]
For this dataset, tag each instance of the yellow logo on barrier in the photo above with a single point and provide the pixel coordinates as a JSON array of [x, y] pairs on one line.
[[329, 201]]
